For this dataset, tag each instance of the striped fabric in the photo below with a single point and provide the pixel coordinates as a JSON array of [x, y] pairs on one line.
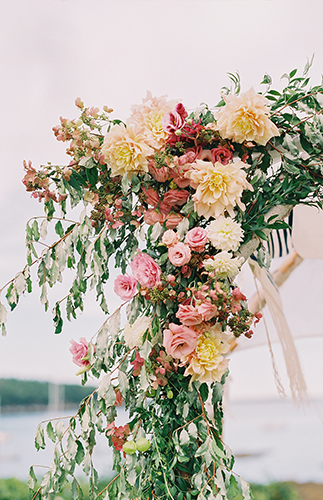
[[280, 241]]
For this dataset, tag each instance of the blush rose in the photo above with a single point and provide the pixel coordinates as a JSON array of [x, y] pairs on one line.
[[179, 340], [125, 286], [145, 270], [179, 254]]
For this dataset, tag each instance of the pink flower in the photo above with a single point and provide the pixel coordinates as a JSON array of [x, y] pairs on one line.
[[152, 216], [159, 174], [172, 220], [79, 351], [189, 315], [174, 120], [170, 238], [108, 214], [145, 270], [222, 155], [197, 238], [207, 310], [179, 254], [151, 196], [179, 340], [173, 197], [125, 286]]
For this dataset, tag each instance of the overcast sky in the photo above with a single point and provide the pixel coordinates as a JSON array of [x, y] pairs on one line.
[[112, 52]]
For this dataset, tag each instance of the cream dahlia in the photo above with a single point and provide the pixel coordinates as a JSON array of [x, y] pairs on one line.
[[225, 234], [125, 150], [245, 118], [148, 117], [223, 264], [218, 187], [207, 363]]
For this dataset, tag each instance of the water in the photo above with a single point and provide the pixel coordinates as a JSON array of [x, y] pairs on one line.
[[272, 441]]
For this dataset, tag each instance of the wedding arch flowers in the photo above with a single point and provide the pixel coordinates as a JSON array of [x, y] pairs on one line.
[[178, 200]]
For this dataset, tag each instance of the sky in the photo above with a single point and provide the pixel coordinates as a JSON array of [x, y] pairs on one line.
[[113, 52]]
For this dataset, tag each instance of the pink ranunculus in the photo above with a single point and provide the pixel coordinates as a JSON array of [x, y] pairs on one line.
[[207, 310], [79, 350], [222, 155], [189, 315], [170, 238], [179, 254], [179, 340], [151, 196], [145, 270], [125, 286], [159, 174], [196, 238], [152, 216], [173, 197], [173, 219]]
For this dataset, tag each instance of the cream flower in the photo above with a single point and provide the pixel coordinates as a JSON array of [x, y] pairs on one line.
[[245, 118], [225, 234], [224, 265], [134, 333], [218, 187], [207, 363], [148, 116], [126, 150]]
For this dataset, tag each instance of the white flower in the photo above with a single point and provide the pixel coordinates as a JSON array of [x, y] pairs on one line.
[[224, 265], [134, 333], [225, 234]]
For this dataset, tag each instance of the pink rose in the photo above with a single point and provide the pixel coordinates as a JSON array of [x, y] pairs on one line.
[[222, 155], [79, 350], [170, 238], [189, 315], [179, 340], [159, 174], [145, 270], [207, 310], [151, 196], [179, 254], [125, 286], [173, 197], [152, 216], [172, 220], [197, 238]]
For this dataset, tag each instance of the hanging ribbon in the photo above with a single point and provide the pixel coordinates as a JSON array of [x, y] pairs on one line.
[[274, 302]]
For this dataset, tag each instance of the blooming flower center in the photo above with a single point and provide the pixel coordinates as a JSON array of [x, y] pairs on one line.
[[207, 351]]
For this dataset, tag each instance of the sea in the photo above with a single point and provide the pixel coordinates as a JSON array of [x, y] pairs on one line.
[[272, 441]]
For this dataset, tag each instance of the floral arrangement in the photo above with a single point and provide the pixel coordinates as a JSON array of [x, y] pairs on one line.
[[180, 201]]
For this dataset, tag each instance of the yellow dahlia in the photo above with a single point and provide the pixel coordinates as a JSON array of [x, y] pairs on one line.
[[126, 150], [245, 118], [218, 187], [207, 363]]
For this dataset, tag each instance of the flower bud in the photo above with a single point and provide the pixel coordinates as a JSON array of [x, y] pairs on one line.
[[143, 444], [170, 394], [129, 447]]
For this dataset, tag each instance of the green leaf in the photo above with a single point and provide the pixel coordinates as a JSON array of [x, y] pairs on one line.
[[50, 432], [92, 176], [80, 453], [59, 229], [40, 438], [32, 479], [35, 230], [204, 391]]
